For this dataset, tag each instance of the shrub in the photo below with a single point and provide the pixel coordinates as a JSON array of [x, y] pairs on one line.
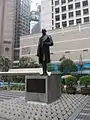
[[85, 80], [70, 81], [51, 67], [67, 66]]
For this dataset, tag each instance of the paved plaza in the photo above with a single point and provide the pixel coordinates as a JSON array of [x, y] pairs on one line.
[[14, 107], [85, 112]]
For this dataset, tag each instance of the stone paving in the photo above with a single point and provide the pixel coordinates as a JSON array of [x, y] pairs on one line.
[[18, 109], [7, 95], [85, 112]]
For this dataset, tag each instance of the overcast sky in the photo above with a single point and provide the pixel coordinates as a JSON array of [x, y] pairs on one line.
[[34, 4]]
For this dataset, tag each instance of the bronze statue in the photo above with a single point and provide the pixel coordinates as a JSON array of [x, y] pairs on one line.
[[43, 52]]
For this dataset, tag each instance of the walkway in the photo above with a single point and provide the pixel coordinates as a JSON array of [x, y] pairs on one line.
[[85, 112], [14, 107], [7, 95]]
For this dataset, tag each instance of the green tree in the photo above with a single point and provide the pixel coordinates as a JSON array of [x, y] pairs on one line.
[[67, 66], [27, 62], [51, 67], [5, 64], [85, 80]]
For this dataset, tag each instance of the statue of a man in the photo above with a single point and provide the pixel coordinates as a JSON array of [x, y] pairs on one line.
[[43, 52]]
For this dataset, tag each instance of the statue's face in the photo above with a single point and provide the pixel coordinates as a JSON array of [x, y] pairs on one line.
[[43, 31]]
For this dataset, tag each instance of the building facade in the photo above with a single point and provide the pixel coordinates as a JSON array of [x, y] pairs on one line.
[[64, 13], [7, 16], [35, 23], [71, 42], [22, 24]]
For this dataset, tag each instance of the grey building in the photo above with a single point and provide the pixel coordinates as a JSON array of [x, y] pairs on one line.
[[36, 28], [7, 16], [36, 20], [22, 24], [71, 42]]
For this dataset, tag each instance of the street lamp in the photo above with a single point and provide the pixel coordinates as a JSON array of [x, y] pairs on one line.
[[81, 63]]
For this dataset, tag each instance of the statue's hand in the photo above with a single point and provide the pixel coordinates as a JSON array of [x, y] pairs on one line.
[[37, 55]]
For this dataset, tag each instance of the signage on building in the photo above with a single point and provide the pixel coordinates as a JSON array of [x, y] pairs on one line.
[[26, 50]]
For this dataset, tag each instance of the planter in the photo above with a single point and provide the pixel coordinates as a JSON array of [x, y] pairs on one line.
[[71, 90], [85, 91]]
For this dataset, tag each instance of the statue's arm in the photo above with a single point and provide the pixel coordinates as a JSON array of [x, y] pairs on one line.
[[50, 41]]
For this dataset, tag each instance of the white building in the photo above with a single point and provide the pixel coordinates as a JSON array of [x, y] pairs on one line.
[[71, 42], [58, 13]]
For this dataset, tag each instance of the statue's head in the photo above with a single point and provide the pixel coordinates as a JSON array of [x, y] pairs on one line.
[[44, 31]]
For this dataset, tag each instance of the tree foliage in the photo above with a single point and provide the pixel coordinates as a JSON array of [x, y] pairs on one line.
[[70, 81], [51, 67], [67, 66], [5, 64], [27, 62], [85, 80]]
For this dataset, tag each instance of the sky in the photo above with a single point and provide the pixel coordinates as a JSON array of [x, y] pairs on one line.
[[34, 4]]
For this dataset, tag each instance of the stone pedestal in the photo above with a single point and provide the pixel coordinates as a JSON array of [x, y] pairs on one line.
[[44, 89]]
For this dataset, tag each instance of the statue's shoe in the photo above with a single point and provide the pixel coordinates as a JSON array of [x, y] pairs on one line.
[[44, 74]]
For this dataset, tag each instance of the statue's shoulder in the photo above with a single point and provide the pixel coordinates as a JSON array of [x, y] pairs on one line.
[[49, 36], [40, 38]]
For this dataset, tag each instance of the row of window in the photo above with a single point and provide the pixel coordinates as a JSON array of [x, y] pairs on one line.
[[71, 14], [84, 3], [57, 10], [71, 22]]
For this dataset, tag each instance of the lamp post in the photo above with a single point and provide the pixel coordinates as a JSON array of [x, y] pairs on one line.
[[81, 63]]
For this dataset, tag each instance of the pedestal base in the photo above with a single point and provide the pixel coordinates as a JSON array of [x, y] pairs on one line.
[[44, 89]]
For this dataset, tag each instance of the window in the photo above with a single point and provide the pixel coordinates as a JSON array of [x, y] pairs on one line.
[[78, 12], [52, 16], [52, 22], [77, 5], [52, 28], [6, 49], [52, 2], [7, 42], [56, 2], [63, 16], [85, 11], [71, 14], [78, 20], [63, 1], [52, 9], [70, 0], [63, 8], [57, 25], [26, 50], [56, 10], [85, 3], [86, 19], [71, 22], [70, 7], [57, 18], [16, 54], [64, 24]]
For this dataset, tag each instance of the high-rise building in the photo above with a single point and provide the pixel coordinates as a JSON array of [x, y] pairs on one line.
[[22, 24], [35, 23], [7, 27], [63, 13]]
